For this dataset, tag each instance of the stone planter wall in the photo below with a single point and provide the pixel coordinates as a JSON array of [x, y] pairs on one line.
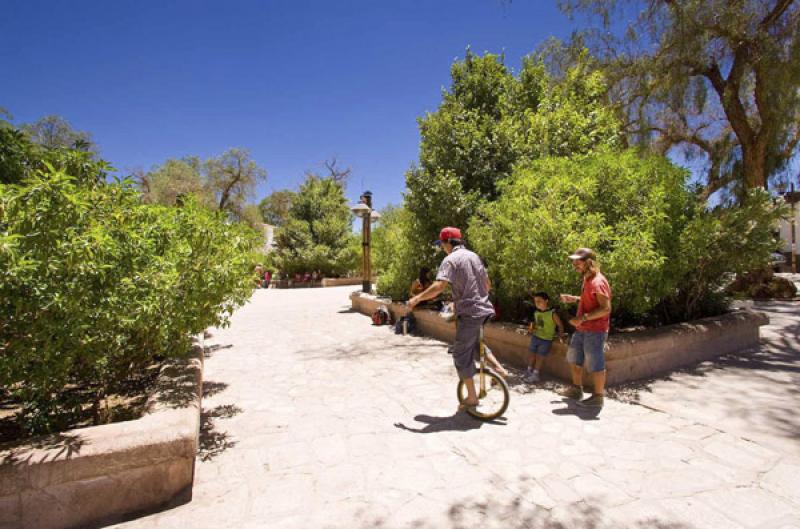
[[93, 476], [630, 356], [326, 282]]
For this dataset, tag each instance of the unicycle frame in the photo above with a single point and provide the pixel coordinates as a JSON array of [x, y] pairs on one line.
[[496, 383], [481, 366]]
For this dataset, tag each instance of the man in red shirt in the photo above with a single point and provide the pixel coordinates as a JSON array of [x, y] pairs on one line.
[[587, 346]]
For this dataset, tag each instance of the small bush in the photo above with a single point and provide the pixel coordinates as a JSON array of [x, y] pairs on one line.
[[96, 285]]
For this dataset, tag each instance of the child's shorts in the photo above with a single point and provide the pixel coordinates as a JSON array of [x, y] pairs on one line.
[[539, 346]]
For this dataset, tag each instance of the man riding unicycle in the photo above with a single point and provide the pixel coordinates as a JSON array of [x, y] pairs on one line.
[[464, 271]]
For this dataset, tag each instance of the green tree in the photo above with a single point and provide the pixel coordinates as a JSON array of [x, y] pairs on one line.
[[719, 79], [274, 207], [488, 121], [231, 178], [174, 179], [317, 234], [21, 157], [54, 132]]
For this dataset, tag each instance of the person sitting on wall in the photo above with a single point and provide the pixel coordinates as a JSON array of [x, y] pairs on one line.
[[420, 284], [259, 272]]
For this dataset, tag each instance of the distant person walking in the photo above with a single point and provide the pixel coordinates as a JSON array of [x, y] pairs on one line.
[[587, 346]]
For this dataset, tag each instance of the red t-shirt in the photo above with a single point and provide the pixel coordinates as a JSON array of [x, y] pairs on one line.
[[597, 284]]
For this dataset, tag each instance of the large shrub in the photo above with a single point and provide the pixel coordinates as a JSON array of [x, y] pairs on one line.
[[490, 120], [662, 251], [94, 285]]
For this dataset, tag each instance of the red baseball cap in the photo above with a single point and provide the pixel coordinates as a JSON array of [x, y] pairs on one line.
[[448, 233]]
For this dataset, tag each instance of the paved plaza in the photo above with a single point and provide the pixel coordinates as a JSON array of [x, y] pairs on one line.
[[314, 418]]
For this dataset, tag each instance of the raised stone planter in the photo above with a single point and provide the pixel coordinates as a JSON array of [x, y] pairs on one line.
[[630, 356], [325, 282], [94, 476]]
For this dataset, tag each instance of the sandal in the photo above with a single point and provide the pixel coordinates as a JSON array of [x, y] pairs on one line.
[[464, 406]]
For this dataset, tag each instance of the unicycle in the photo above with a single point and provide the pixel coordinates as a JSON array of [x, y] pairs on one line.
[[493, 395]]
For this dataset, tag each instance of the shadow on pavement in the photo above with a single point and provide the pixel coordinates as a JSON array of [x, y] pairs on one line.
[[518, 511], [460, 422], [585, 414], [213, 442], [211, 388], [209, 350], [764, 381]]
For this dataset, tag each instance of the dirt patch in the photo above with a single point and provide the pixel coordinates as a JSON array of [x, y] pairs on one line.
[[126, 402]]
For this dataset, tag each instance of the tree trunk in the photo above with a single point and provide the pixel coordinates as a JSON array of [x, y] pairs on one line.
[[754, 162]]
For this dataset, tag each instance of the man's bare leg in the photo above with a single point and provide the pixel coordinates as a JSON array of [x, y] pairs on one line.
[[577, 374], [599, 381], [472, 395]]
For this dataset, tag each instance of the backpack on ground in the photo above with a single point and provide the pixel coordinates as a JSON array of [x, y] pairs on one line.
[[409, 322], [381, 316]]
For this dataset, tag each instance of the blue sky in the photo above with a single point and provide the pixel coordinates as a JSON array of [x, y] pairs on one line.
[[295, 82]]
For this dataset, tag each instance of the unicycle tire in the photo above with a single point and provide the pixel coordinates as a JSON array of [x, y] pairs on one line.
[[492, 405]]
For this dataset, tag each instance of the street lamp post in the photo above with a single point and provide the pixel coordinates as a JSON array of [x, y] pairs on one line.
[[364, 210]]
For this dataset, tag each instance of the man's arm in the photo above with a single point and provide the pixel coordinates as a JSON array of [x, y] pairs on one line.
[[604, 308], [431, 292]]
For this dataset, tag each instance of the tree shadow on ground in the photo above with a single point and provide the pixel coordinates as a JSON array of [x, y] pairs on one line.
[[765, 380], [518, 512], [211, 388], [460, 421], [213, 442], [209, 350]]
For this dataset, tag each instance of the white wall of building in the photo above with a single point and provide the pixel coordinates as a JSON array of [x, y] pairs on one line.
[[269, 237]]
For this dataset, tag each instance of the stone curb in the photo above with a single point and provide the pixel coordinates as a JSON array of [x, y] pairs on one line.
[[630, 356], [98, 475]]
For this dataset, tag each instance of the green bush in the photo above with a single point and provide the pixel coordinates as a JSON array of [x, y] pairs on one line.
[[96, 285], [664, 254], [394, 260], [630, 209]]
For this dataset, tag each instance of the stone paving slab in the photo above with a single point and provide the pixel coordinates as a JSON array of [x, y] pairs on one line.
[[315, 418]]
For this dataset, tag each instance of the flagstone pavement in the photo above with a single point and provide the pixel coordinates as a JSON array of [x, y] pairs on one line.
[[314, 418]]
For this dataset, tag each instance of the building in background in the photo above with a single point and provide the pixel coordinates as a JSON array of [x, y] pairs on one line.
[[269, 237]]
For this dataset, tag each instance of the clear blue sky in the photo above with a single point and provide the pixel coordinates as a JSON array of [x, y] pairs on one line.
[[293, 81]]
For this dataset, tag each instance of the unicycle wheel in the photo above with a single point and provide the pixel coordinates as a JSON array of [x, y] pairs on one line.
[[494, 402]]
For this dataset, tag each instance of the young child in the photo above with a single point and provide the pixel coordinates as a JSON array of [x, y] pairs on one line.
[[543, 328]]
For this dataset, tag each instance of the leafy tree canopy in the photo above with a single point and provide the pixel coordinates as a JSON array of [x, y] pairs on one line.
[[489, 120], [54, 132], [719, 79], [317, 234], [274, 207]]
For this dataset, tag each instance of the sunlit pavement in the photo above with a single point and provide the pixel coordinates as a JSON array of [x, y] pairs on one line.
[[315, 418]]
